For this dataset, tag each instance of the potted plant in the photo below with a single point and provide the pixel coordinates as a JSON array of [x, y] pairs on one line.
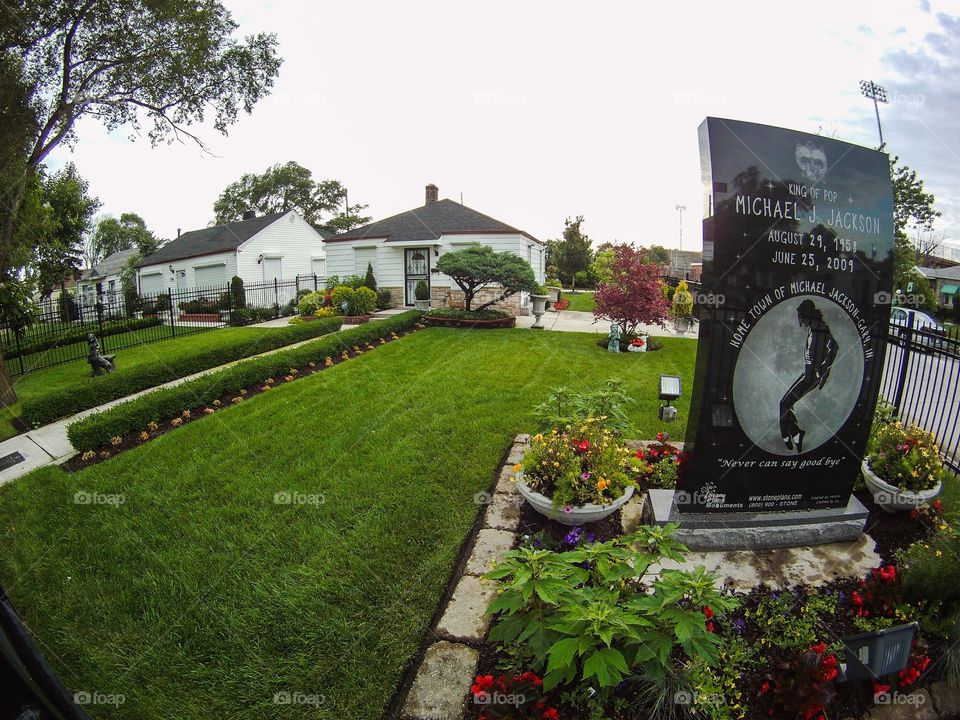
[[904, 469], [578, 473], [553, 286], [681, 308], [539, 298], [421, 294]]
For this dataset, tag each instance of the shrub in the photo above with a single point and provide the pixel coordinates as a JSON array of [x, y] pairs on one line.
[[341, 298], [384, 299], [364, 301], [313, 301], [421, 291], [369, 280], [478, 265], [93, 391], [458, 314], [681, 307], [324, 312], [201, 306], [331, 282], [353, 281], [633, 295], [96, 430], [582, 279], [238, 296]]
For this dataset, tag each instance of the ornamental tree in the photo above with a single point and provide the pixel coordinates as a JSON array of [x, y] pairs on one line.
[[477, 266], [632, 294]]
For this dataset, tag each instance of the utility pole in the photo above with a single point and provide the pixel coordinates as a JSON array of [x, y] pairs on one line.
[[877, 93]]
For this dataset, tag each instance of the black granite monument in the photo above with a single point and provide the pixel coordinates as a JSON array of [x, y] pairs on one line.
[[798, 256]]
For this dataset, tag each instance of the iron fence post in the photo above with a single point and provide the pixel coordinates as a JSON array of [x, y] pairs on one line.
[[173, 327], [16, 339], [906, 335], [276, 299]]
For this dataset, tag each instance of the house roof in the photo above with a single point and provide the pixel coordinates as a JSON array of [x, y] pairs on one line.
[[220, 238], [429, 222], [110, 265], [945, 273]]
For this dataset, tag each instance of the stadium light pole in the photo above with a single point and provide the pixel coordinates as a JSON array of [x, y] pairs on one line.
[[878, 94]]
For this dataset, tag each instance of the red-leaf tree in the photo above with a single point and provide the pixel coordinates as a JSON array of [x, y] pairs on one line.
[[632, 296]]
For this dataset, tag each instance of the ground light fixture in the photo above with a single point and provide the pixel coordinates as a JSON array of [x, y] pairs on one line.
[[670, 390]]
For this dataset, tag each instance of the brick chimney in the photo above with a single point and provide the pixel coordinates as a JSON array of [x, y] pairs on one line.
[[432, 192]]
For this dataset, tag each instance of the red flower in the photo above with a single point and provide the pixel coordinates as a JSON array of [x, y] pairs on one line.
[[829, 661], [659, 437], [879, 688], [582, 446], [937, 506], [481, 684], [819, 648], [710, 627], [708, 611], [551, 714], [641, 454], [764, 688], [654, 453], [914, 514]]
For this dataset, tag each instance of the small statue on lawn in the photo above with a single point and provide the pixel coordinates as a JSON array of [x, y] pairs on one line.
[[99, 363], [613, 344]]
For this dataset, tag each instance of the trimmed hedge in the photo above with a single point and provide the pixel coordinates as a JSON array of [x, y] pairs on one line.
[[75, 335], [93, 391], [96, 430]]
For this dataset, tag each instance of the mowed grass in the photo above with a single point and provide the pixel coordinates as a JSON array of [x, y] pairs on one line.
[[63, 375], [581, 301], [199, 596]]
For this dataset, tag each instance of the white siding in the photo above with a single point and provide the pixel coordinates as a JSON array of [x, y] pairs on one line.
[[362, 257], [388, 268], [208, 275], [151, 283], [291, 238], [227, 261]]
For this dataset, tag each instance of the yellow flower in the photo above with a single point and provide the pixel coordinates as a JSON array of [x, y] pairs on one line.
[[517, 467], [939, 553], [538, 437], [601, 484]]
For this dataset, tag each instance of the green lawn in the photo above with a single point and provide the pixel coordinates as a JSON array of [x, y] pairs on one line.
[[201, 597], [59, 375], [581, 301]]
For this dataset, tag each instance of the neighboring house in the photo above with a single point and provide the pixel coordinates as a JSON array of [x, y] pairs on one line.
[[404, 249], [281, 246], [102, 281], [682, 264], [946, 284]]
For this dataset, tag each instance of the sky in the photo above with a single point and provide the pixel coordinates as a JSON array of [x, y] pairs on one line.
[[539, 111]]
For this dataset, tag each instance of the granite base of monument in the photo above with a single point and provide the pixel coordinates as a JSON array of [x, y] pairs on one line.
[[756, 531]]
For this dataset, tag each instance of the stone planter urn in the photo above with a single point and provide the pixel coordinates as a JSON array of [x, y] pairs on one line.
[[423, 305], [578, 514], [539, 308], [682, 324], [891, 498]]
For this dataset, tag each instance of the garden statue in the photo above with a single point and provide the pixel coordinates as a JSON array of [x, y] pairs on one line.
[[99, 363], [613, 345]]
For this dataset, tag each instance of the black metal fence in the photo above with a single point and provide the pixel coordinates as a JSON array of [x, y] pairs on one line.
[[59, 332], [921, 379]]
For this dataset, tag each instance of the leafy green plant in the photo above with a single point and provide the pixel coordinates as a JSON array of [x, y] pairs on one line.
[[353, 281], [331, 282], [238, 296], [369, 280], [789, 621], [311, 302], [342, 298], [458, 314], [384, 299], [421, 291], [583, 616], [364, 301], [565, 407]]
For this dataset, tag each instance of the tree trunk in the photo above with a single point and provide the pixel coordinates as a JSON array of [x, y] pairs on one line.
[[7, 394], [10, 223]]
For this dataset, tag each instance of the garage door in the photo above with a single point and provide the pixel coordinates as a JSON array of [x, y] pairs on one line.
[[319, 267], [210, 275], [151, 284]]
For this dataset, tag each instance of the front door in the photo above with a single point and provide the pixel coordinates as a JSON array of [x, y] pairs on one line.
[[416, 267]]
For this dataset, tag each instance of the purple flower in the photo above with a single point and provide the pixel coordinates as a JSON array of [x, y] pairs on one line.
[[537, 542], [585, 475], [590, 538], [739, 624], [573, 537]]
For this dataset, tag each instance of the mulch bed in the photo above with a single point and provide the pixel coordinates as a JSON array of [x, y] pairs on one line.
[[135, 438], [507, 322], [891, 531]]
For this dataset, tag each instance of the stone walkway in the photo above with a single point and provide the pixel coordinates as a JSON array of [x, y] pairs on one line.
[[573, 321]]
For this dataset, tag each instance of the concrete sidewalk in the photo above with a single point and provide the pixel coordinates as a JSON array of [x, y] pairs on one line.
[[572, 321]]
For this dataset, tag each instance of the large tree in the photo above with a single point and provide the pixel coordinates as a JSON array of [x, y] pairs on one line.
[[477, 266], [573, 253], [913, 211], [58, 247], [157, 66], [112, 234], [289, 187]]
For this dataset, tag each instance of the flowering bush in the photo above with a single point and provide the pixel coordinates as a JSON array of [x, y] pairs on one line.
[[663, 460], [517, 697], [802, 686], [583, 463], [906, 457], [879, 594], [631, 293]]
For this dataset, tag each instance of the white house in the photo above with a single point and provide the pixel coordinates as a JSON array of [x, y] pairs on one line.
[[404, 249], [281, 246], [102, 281]]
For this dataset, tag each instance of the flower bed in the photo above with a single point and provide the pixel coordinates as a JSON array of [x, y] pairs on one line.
[[200, 317], [506, 322]]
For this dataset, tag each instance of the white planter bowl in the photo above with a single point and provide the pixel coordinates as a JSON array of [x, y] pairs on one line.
[[579, 514], [891, 498]]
